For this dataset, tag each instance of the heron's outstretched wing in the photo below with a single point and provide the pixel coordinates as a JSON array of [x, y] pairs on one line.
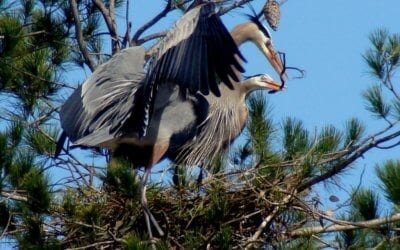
[[104, 99], [196, 54]]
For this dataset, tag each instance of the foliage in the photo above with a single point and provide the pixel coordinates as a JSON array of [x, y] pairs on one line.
[[260, 194], [389, 174]]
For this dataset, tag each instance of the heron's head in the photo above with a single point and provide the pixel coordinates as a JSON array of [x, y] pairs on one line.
[[259, 34], [261, 81], [264, 41]]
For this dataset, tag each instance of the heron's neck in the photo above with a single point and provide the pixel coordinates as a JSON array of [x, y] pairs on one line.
[[248, 86], [240, 92], [246, 32], [243, 33]]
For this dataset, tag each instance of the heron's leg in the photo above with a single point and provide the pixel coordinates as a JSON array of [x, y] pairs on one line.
[[143, 201], [200, 177], [157, 153]]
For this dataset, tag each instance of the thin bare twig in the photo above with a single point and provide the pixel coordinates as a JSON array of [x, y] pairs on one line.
[[127, 40], [324, 243], [150, 23], [151, 37]]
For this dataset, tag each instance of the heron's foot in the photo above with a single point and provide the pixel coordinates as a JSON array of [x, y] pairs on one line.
[[151, 220]]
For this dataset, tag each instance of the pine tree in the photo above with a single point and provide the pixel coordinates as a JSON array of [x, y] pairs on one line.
[[257, 195]]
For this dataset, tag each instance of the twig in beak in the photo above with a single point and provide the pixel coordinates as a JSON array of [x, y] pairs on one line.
[[282, 56]]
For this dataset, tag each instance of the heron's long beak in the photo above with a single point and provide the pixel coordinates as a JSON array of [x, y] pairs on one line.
[[272, 85], [274, 59]]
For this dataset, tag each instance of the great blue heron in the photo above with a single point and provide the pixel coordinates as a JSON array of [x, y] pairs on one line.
[[151, 108]]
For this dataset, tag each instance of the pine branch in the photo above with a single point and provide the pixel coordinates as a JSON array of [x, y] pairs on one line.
[[60, 84], [356, 153], [13, 196], [375, 223]]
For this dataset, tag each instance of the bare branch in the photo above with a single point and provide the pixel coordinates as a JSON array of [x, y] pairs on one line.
[[235, 5], [79, 37], [151, 37], [390, 146], [109, 18], [150, 23], [127, 39]]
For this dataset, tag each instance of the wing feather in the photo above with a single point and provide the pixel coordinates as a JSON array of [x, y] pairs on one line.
[[199, 34], [105, 99]]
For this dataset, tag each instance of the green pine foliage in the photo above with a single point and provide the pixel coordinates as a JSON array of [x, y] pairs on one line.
[[375, 102], [366, 204], [389, 174], [295, 139], [28, 70], [259, 127], [354, 131]]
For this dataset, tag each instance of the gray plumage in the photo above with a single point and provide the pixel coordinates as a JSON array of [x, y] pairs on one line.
[[104, 99], [119, 99], [109, 109]]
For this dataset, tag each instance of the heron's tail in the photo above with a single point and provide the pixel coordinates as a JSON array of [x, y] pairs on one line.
[[60, 144]]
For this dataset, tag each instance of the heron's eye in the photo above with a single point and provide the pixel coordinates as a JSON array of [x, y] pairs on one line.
[[268, 43]]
